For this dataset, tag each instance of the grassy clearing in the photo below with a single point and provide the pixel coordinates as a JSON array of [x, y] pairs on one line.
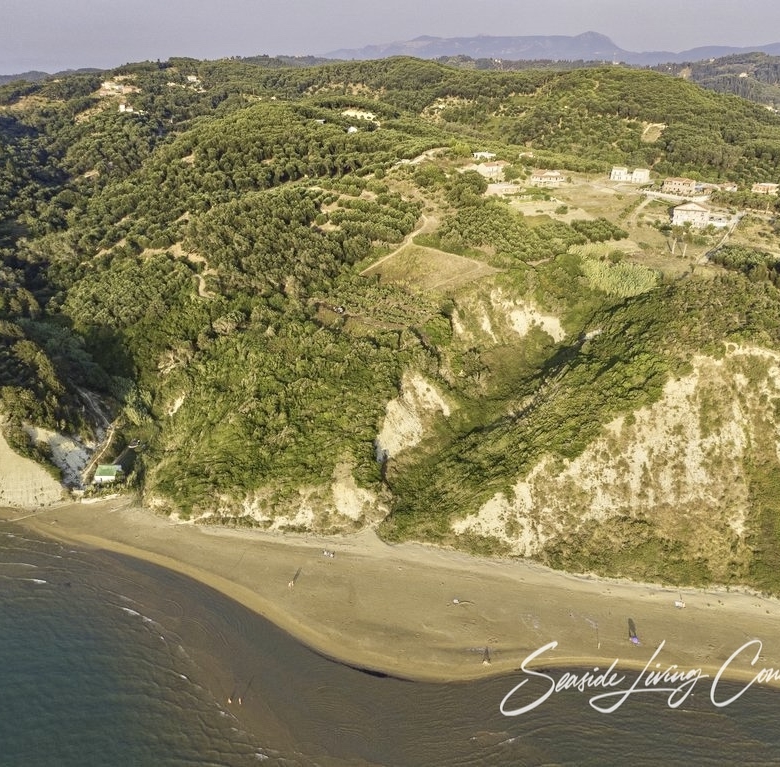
[[596, 196], [553, 208], [429, 269], [652, 132]]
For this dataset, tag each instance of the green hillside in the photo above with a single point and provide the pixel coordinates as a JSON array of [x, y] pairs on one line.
[[295, 288], [753, 76]]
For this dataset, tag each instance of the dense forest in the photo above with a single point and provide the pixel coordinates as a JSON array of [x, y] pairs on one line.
[[245, 262]]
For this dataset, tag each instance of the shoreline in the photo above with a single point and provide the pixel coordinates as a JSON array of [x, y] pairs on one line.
[[423, 613]]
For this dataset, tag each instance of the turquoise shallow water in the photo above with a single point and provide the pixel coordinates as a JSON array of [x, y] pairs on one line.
[[106, 660]]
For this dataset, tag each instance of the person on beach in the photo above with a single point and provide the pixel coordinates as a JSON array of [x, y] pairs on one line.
[[632, 635]]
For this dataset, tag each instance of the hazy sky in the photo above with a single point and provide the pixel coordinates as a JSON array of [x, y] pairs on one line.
[[60, 34]]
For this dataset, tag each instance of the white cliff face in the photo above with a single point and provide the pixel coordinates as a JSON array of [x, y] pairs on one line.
[[70, 456], [23, 483], [680, 462], [406, 416]]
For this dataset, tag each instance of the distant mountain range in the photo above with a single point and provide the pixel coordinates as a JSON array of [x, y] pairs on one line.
[[35, 75], [589, 46]]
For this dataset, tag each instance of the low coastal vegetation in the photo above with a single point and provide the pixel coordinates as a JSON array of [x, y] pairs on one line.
[[328, 296]]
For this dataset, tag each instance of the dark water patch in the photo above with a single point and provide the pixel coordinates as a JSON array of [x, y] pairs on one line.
[[86, 678]]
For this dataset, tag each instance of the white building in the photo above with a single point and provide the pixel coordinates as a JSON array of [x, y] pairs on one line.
[[494, 170], [107, 473], [637, 176]]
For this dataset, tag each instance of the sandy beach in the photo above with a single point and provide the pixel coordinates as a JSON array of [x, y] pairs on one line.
[[425, 613]]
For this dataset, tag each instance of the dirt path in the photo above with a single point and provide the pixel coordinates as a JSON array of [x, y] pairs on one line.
[[633, 218], [425, 225]]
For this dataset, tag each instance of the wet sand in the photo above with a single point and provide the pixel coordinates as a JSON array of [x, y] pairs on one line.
[[426, 613]]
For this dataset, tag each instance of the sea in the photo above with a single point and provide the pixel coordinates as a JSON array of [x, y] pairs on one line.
[[108, 660]]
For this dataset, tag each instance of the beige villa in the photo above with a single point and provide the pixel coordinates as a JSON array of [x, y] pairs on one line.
[[547, 178], [765, 188], [698, 216], [679, 186]]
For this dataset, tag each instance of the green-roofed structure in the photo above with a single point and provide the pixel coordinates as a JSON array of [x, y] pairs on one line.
[[107, 472]]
